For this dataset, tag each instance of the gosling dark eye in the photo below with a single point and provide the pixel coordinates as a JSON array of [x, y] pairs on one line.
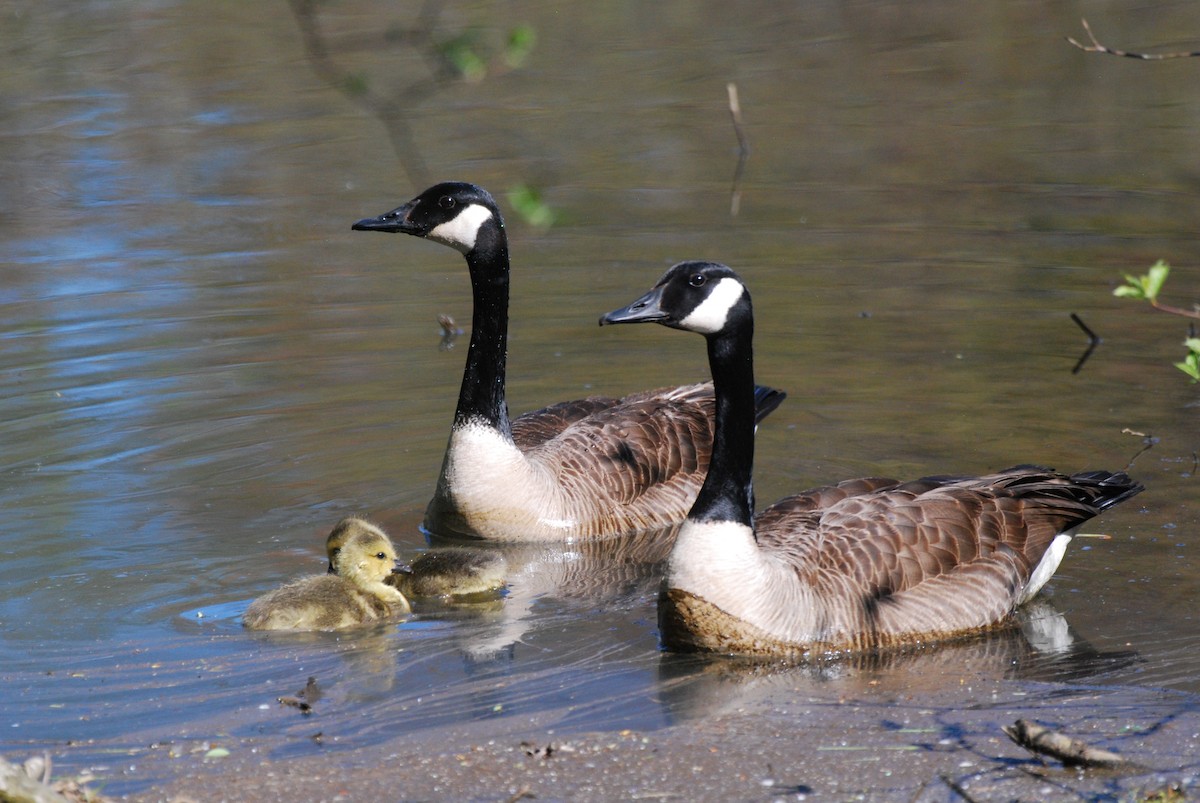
[[446, 202], [381, 555], [337, 550], [697, 280]]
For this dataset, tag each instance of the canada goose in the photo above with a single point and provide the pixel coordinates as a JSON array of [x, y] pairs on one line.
[[355, 595], [863, 564], [442, 572], [582, 469]]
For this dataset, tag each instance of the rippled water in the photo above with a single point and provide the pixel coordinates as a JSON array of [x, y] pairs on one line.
[[203, 368]]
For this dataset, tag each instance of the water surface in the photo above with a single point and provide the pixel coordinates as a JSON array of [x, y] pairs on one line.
[[204, 368]]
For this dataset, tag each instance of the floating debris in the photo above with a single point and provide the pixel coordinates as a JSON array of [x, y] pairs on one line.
[[304, 698], [1071, 752], [450, 331]]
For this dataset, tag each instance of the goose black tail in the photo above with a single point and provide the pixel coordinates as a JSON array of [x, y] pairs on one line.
[[1111, 487], [766, 400]]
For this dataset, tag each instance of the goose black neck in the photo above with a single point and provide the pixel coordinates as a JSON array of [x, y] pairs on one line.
[[728, 491], [481, 397]]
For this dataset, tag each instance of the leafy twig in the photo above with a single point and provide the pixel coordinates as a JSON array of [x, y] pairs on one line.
[[1147, 287]]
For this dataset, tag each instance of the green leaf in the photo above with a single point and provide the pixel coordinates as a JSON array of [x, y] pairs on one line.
[[520, 44], [1192, 344], [529, 205], [1147, 286], [1153, 280], [461, 53], [1191, 366], [1131, 289]]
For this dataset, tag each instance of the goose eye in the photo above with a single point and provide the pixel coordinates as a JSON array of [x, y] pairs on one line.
[[446, 202], [337, 550], [697, 280], [381, 555]]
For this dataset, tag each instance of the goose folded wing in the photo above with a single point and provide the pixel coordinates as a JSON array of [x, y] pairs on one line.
[[647, 445], [537, 427]]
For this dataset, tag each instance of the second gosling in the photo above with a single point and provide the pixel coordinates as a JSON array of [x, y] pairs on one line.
[[453, 572], [355, 594], [442, 572]]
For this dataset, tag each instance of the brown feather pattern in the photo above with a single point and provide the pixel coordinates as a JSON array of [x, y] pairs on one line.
[[639, 462], [888, 563]]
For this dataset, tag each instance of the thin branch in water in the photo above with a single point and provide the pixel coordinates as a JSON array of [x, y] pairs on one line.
[[1093, 341], [1096, 47], [735, 111], [956, 787], [1148, 442], [1192, 313]]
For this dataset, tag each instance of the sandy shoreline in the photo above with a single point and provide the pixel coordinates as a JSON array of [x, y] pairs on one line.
[[890, 746]]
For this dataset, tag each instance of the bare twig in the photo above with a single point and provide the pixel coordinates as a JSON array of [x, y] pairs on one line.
[[735, 111], [1093, 338], [1192, 313], [1096, 47], [956, 787], [1093, 341], [523, 792], [1148, 442], [1071, 752]]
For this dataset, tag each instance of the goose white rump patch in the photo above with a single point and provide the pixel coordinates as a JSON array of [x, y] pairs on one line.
[[461, 232], [1046, 567], [712, 313]]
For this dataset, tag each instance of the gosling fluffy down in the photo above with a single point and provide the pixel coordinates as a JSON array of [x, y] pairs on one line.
[[443, 572], [355, 595], [453, 572]]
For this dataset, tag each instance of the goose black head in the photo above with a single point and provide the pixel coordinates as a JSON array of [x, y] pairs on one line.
[[704, 297], [451, 213]]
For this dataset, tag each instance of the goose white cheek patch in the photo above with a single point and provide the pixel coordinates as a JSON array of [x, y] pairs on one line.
[[713, 312], [461, 232]]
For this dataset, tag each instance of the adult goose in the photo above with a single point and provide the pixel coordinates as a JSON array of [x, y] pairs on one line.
[[864, 564], [591, 468]]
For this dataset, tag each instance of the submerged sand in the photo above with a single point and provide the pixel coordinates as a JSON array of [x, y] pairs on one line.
[[910, 745]]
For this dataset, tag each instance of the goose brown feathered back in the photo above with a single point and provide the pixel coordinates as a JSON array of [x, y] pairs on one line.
[[864, 564], [355, 593], [591, 468]]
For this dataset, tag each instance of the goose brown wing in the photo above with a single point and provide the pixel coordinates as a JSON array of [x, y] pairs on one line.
[[791, 528], [652, 443], [948, 553], [538, 426], [657, 442]]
